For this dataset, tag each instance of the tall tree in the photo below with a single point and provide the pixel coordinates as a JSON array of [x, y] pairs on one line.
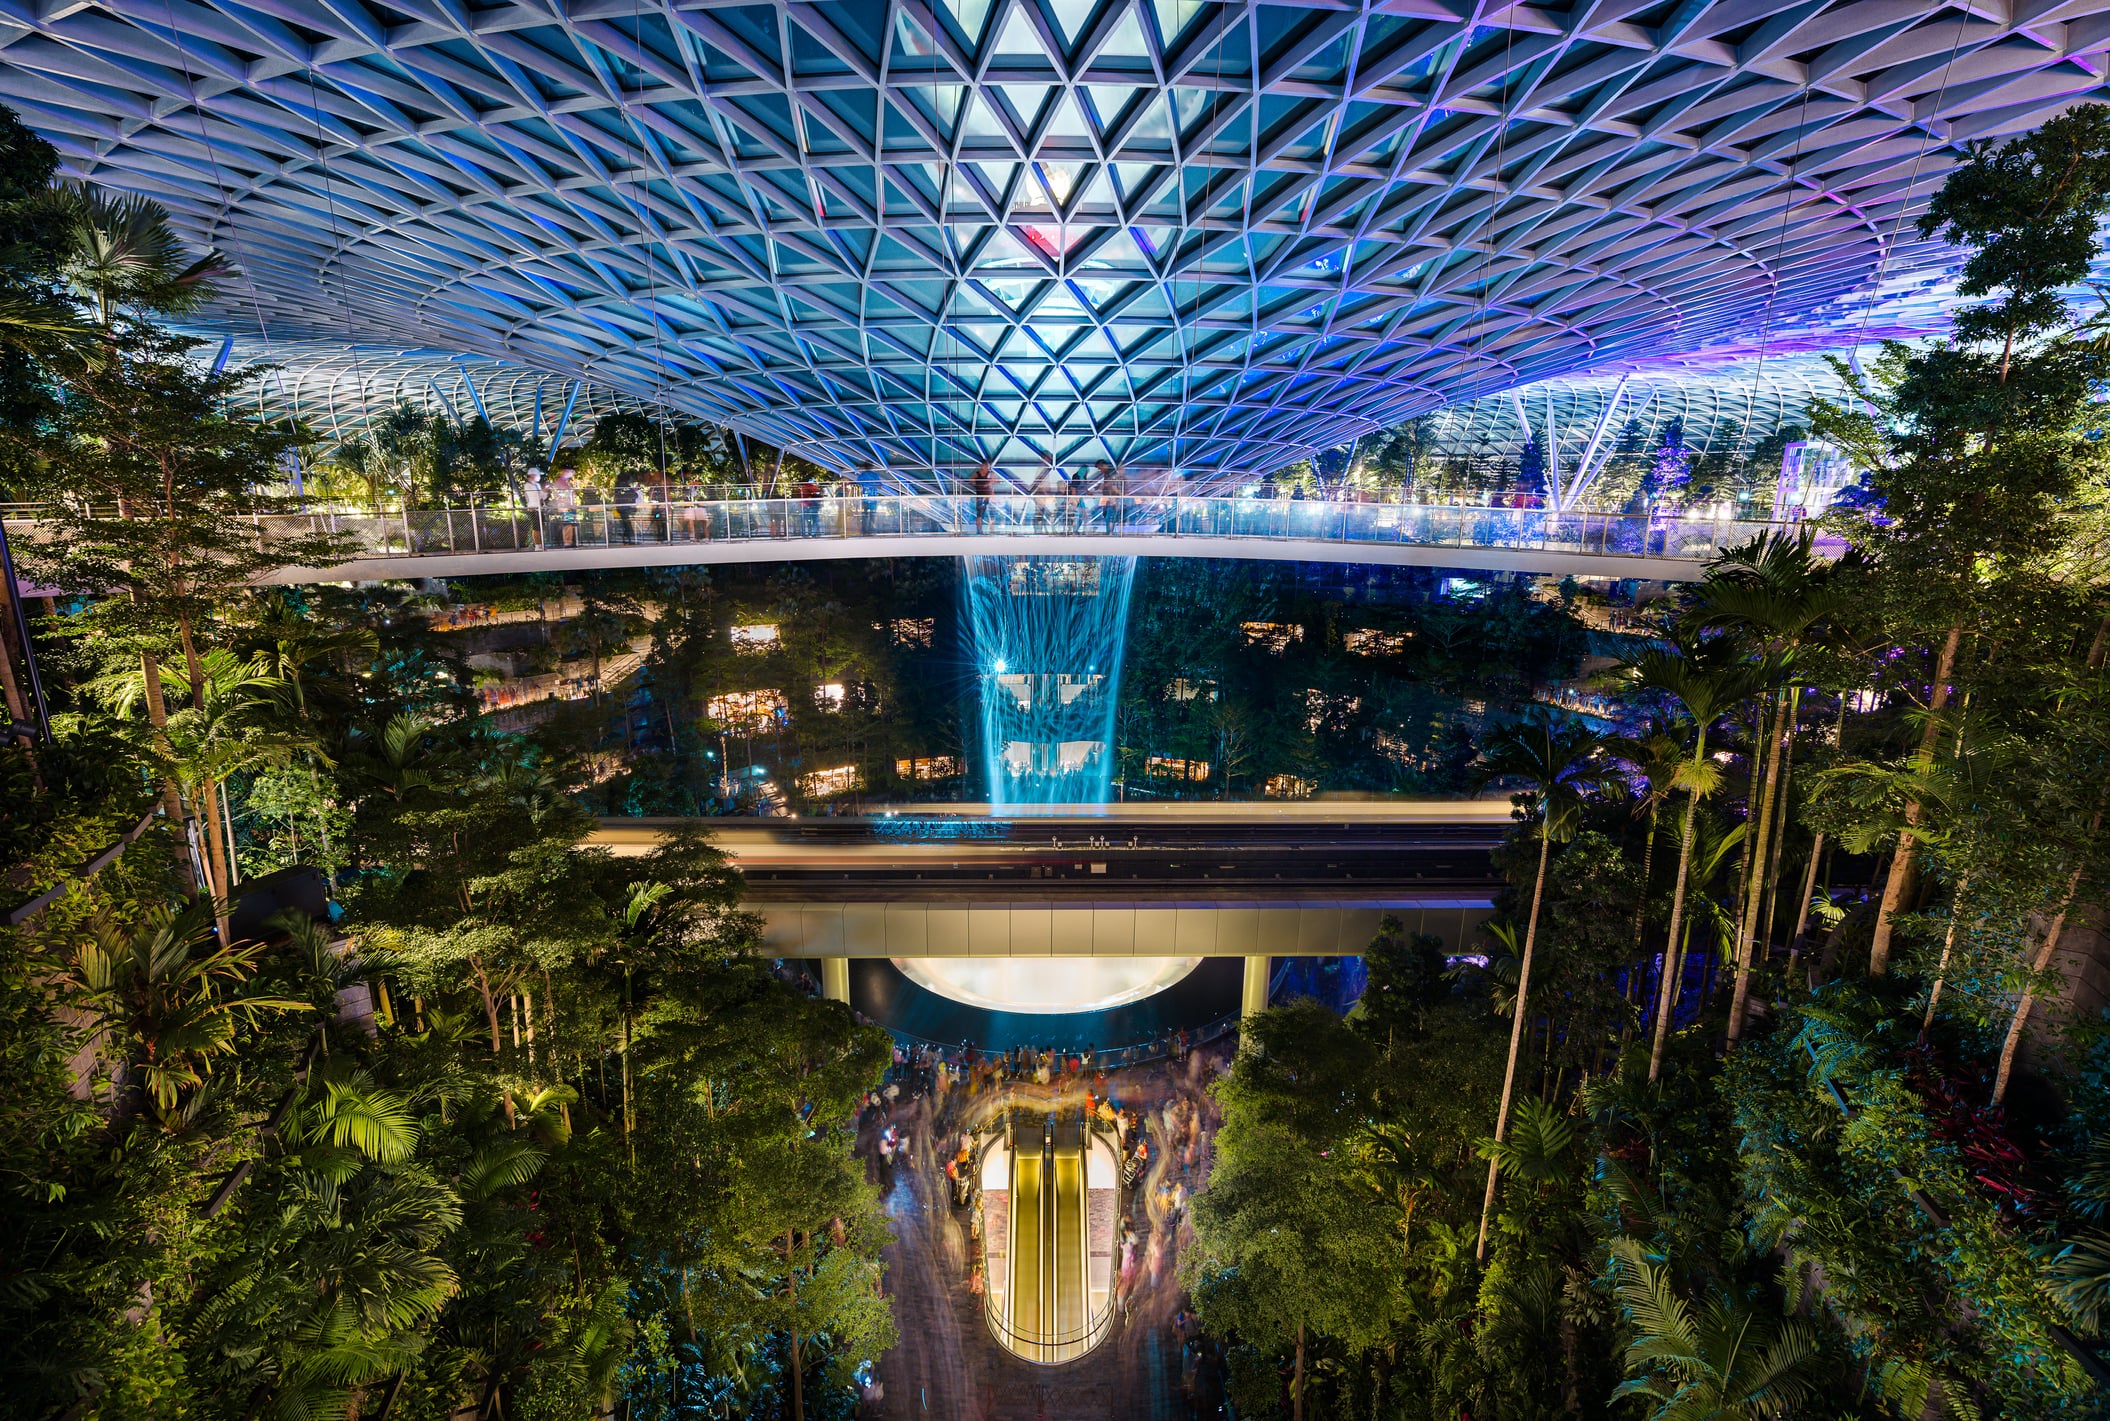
[[1558, 762], [1975, 443], [1775, 592], [1706, 678]]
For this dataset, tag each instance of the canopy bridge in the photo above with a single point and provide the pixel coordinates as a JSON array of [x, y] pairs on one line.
[[503, 539]]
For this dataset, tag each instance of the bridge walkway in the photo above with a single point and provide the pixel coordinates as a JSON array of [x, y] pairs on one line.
[[507, 539]]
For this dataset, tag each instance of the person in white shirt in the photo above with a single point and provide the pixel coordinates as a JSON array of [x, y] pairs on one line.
[[531, 500]]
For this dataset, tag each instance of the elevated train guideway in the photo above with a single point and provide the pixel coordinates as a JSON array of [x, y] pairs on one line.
[[1050, 1186], [502, 540], [1254, 881]]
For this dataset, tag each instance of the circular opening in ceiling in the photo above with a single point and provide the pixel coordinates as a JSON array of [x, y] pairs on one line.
[[1046, 985]]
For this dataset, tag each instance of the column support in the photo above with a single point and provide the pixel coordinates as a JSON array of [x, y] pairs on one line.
[[1253, 1000], [835, 979]]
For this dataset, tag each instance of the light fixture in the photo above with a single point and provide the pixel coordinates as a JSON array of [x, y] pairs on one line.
[[1046, 986]]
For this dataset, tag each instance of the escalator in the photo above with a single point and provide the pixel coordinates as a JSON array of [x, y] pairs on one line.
[[1048, 1206]]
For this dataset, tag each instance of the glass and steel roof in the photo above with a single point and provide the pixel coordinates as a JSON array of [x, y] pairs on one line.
[[922, 233]]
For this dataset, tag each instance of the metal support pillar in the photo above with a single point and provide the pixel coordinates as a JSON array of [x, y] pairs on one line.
[[835, 979], [1253, 1000]]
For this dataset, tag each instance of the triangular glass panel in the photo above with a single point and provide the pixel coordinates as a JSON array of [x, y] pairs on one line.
[[940, 104], [1018, 37], [1095, 346], [1098, 191], [1060, 180], [1133, 178], [1026, 101], [1049, 238], [1068, 120], [970, 16], [1005, 252], [910, 43], [1126, 42], [982, 121], [1153, 128], [1071, 16], [1173, 18], [1108, 101]]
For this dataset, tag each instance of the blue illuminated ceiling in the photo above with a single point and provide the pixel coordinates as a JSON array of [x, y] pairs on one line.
[[1194, 235]]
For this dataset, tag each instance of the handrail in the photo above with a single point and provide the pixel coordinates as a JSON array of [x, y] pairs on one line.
[[676, 519], [1111, 1058], [1086, 1337]]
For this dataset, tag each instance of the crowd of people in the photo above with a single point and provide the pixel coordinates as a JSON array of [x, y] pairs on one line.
[[926, 1129]]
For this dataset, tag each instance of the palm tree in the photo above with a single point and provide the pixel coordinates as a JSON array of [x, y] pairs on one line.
[[1706, 678], [1724, 1361], [1655, 758], [1774, 591], [125, 255], [1559, 762], [169, 999], [339, 1270], [232, 726]]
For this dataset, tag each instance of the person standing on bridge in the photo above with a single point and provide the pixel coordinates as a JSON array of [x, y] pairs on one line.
[[984, 487], [565, 503], [625, 505], [531, 500], [868, 491]]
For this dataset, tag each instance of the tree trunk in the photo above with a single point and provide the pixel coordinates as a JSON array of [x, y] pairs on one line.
[[1666, 997], [1762, 830], [1809, 877], [2029, 994], [483, 987], [1809, 890], [1753, 791], [1780, 837], [798, 1373], [629, 1141], [1941, 969], [171, 797], [1648, 863], [1516, 1025], [215, 858], [1296, 1384], [1899, 885]]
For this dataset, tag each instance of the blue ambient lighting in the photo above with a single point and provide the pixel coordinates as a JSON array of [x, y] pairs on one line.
[[1048, 635]]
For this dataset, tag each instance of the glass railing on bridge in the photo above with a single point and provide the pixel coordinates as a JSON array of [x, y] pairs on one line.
[[676, 518]]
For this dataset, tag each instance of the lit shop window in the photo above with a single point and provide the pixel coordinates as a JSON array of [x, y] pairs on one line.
[[826, 784], [760, 637], [1172, 767], [928, 767], [1370, 641], [912, 631], [1054, 579], [748, 712], [1324, 712], [1287, 787], [1276, 637]]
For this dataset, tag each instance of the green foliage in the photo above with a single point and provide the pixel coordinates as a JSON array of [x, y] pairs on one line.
[[1915, 1256]]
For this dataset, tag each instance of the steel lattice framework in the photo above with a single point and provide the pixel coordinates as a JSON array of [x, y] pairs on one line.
[[337, 391], [922, 233]]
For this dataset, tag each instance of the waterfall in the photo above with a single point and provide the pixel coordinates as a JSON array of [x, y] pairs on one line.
[[1048, 635]]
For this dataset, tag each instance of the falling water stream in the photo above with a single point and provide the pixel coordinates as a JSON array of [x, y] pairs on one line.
[[1048, 635]]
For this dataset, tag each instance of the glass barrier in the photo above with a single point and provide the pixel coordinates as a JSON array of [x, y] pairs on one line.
[[679, 519]]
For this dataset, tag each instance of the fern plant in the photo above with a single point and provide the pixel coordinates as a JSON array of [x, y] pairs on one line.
[[1719, 1358]]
